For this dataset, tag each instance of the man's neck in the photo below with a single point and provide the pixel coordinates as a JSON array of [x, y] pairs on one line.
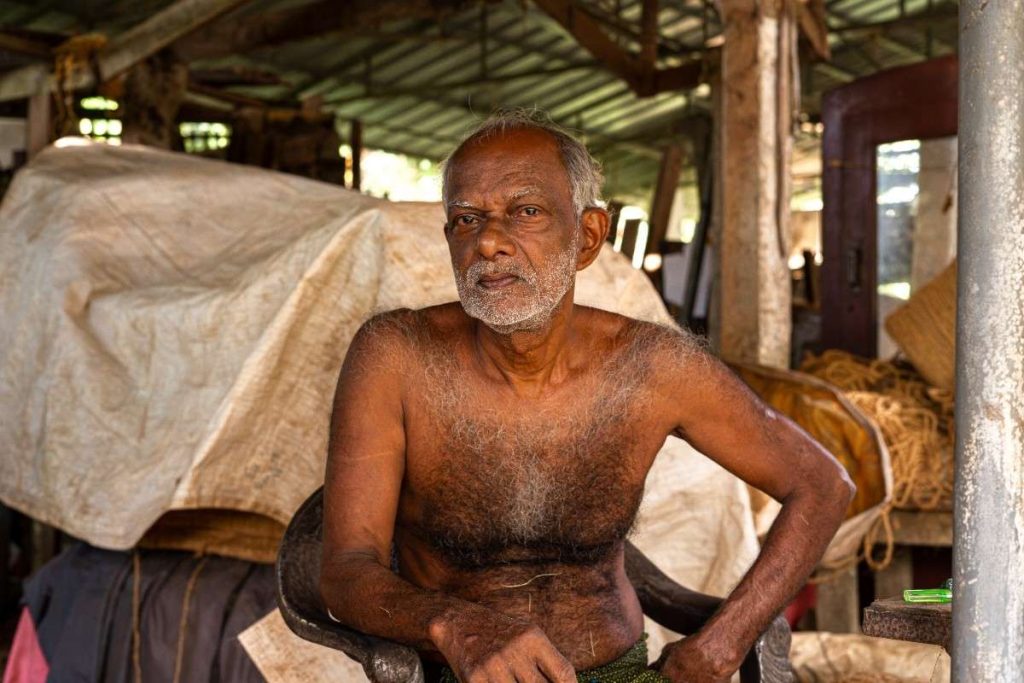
[[530, 359]]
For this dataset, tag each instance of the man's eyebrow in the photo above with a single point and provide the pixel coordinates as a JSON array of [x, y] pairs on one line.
[[460, 204], [522, 192]]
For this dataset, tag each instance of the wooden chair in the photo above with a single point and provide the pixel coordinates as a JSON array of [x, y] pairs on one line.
[[665, 601]]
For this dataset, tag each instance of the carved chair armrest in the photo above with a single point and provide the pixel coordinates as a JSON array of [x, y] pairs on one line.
[[298, 597], [686, 611]]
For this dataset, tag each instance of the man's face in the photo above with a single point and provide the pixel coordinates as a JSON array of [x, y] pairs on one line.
[[512, 231]]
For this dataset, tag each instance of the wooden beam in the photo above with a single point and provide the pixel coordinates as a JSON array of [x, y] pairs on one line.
[[649, 33], [323, 17], [591, 38], [640, 76], [125, 50], [683, 77], [811, 17], [448, 85], [12, 42], [160, 30], [942, 12]]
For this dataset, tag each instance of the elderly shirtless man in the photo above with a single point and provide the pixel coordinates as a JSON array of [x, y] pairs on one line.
[[487, 458]]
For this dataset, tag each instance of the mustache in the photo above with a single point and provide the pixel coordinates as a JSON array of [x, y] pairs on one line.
[[482, 268]]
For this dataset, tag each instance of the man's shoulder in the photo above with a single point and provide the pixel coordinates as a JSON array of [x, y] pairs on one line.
[[634, 334], [410, 329]]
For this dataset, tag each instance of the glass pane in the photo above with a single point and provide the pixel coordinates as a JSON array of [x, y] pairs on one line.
[[916, 204]]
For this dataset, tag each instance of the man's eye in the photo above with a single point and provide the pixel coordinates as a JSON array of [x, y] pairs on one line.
[[531, 211], [465, 219]]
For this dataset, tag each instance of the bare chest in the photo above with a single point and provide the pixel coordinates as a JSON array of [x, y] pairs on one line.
[[495, 481]]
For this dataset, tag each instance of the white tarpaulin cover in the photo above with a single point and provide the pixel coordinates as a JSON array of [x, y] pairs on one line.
[[173, 329]]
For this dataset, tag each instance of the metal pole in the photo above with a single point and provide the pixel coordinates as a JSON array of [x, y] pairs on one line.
[[988, 549]]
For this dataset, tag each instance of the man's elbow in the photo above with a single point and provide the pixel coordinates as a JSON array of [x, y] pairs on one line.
[[842, 488], [336, 582]]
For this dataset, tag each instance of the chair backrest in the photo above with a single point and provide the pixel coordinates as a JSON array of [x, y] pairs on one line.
[[302, 607], [665, 601]]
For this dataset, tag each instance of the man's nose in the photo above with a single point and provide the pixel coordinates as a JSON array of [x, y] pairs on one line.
[[493, 240]]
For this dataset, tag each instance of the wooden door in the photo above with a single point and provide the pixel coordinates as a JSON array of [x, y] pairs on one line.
[[912, 102]]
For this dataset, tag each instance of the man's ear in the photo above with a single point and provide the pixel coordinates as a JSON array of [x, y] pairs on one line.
[[593, 232]]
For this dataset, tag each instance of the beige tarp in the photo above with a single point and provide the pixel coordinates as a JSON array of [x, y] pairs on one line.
[[819, 657], [173, 329]]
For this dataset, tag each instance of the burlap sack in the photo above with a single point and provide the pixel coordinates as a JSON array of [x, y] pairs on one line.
[[849, 435], [925, 329]]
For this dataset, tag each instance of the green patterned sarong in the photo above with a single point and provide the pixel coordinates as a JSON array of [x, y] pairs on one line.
[[631, 667]]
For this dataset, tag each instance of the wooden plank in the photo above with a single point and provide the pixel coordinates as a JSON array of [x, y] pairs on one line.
[[25, 82], [838, 604], [918, 623], [919, 528]]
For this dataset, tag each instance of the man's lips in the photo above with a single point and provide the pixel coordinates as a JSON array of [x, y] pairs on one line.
[[496, 281]]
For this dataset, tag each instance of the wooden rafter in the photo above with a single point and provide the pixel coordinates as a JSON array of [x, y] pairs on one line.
[[125, 50], [312, 20], [811, 18], [639, 73]]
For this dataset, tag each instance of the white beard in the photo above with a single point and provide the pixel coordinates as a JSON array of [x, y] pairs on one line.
[[508, 309]]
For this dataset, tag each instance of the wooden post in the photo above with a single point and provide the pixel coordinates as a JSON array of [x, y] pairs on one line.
[[153, 92], [664, 194], [356, 143], [649, 34], [758, 79], [39, 128], [838, 603]]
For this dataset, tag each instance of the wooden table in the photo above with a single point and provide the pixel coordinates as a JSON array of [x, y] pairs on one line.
[[916, 622]]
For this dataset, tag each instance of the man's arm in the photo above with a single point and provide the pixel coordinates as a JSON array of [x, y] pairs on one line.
[[365, 468], [714, 411]]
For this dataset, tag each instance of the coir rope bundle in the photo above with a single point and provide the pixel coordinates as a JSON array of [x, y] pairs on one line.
[[916, 421]]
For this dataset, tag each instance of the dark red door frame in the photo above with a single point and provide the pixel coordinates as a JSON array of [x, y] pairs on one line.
[[911, 102]]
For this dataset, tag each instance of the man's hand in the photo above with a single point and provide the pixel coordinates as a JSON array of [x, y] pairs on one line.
[[490, 647], [691, 661]]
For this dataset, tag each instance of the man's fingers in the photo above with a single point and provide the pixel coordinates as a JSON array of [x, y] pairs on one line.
[[555, 667], [528, 672]]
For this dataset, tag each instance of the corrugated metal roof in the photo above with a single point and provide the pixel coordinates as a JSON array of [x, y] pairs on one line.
[[418, 83]]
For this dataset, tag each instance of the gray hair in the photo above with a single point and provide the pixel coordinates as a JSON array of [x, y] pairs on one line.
[[584, 172]]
